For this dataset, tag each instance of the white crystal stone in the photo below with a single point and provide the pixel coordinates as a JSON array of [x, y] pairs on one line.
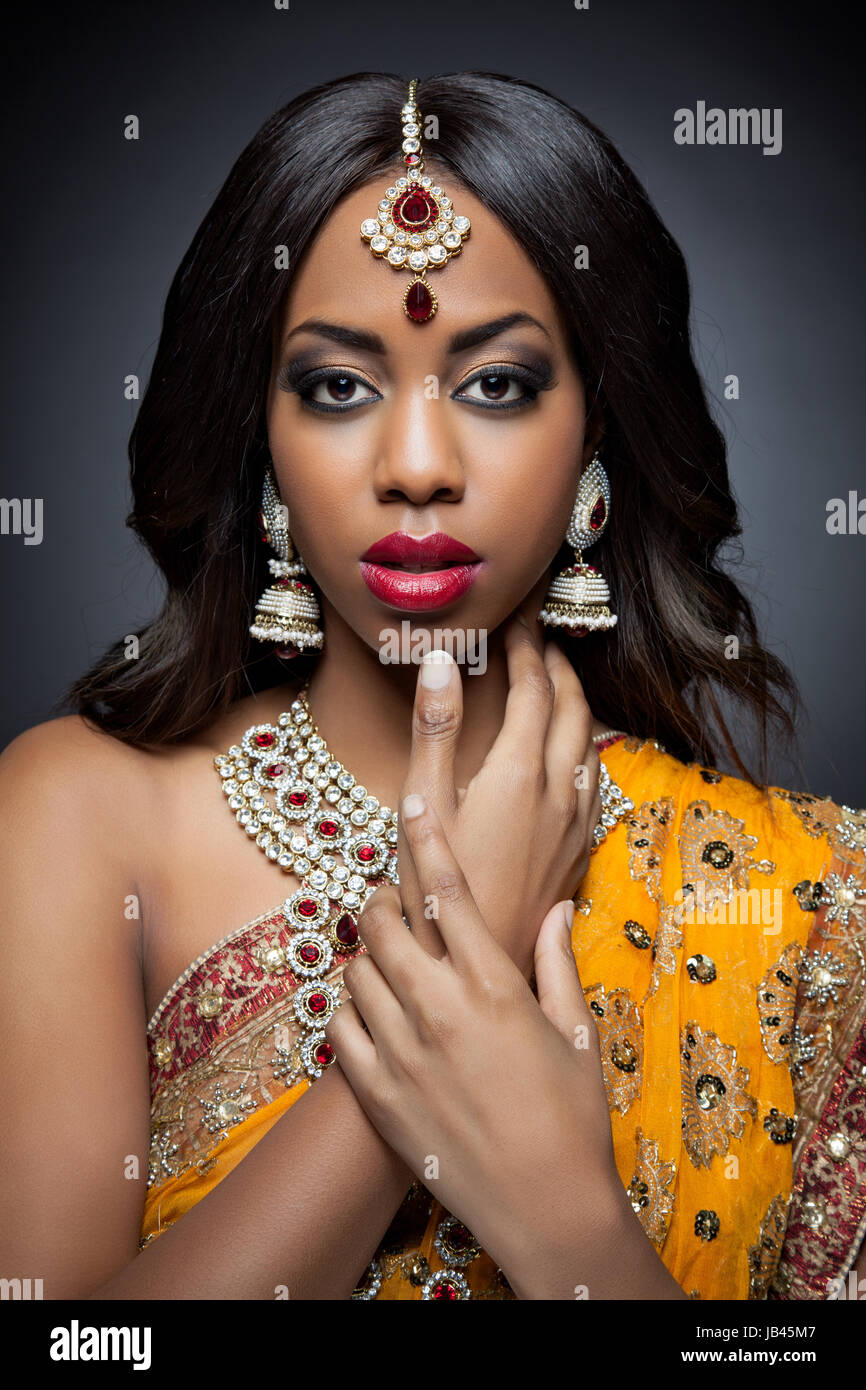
[[359, 817], [389, 229], [416, 239], [345, 780], [461, 224], [341, 874], [358, 793], [410, 146], [446, 202], [391, 192], [356, 883], [435, 189], [401, 238], [431, 235], [379, 243], [438, 254], [426, 180], [369, 227], [451, 240], [401, 183], [397, 255], [384, 204], [418, 260], [411, 128]]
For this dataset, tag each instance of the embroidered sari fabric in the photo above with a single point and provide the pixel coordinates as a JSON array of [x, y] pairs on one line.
[[719, 935]]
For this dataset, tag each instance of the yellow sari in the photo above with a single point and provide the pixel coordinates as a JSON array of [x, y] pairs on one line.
[[719, 935]]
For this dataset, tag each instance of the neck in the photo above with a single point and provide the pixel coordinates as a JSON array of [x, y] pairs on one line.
[[363, 707]]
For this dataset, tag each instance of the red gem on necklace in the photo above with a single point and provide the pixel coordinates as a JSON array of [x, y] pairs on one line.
[[264, 740], [317, 1003], [346, 931], [444, 1290], [275, 769], [419, 302], [309, 953], [327, 828], [365, 853], [298, 798], [308, 907], [324, 1054]]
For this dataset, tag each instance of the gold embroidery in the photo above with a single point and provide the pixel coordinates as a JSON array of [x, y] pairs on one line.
[[668, 940], [714, 1099], [777, 995], [764, 1254], [646, 840], [716, 853], [620, 1030], [650, 1190]]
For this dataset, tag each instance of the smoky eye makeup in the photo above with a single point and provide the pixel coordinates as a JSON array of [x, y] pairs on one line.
[[493, 385]]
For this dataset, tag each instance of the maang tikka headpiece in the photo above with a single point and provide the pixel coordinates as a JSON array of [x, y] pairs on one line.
[[415, 227]]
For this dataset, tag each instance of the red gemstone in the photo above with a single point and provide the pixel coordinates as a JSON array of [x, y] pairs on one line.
[[412, 159], [276, 769], [597, 515], [323, 1054], [327, 828], [309, 953], [308, 907], [298, 798], [264, 740], [260, 521], [283, 582], [444, 1290], [317, 1003], [458, 1237], [419, 302], [365, 853], [414, 211], [346, 931]]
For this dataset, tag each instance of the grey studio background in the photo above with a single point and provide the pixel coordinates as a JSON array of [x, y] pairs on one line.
[[96, 225]]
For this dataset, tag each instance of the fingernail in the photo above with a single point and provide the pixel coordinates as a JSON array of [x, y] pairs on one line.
[[411, 805], [568, 916], [436, 669]]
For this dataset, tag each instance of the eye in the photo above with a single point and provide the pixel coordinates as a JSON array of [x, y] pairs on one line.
[[332, 390], [501, 388]]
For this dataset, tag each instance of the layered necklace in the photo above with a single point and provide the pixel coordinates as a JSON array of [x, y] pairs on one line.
[[305, 811]]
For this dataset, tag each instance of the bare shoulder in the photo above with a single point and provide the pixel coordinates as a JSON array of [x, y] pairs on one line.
[[70, 777]]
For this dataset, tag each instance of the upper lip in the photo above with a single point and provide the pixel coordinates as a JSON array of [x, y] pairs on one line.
[[402, 549]]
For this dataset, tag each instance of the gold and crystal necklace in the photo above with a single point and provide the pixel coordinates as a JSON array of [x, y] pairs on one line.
[[325, 827]]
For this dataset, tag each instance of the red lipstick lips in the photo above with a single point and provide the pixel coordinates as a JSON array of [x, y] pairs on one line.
[[433, 570]]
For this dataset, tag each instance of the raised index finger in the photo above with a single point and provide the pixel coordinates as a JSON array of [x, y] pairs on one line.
[[470, 945]]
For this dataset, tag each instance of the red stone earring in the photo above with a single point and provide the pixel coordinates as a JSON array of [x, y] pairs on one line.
[[415, 227], [578, 598]]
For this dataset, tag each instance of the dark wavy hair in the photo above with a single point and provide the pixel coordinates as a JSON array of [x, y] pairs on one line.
[[199, 445]]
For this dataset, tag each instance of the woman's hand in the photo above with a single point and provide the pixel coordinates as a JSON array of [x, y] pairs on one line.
[[522, 830], [495, 1100]]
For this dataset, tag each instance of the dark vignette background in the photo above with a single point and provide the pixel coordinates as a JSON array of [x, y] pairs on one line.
[[96, 225]]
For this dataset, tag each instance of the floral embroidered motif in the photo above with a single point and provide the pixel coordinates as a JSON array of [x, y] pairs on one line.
[[714, 1099], [716, 853], [620, 1029], [764, 1254], [651, 1189], [668, 940], [777, 995], [646, 839]]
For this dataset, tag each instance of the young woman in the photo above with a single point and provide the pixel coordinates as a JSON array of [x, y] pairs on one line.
[[619, 1052]]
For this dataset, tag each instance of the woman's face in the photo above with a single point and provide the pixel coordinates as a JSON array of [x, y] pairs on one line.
[[471, 424]]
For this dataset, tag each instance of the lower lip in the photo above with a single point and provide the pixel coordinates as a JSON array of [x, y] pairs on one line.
[[416, 592]]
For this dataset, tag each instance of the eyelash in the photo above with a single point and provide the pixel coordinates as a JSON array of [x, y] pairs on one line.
[[303, 384]]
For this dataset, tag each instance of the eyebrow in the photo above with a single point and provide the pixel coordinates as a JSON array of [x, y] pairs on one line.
[[365, 341]]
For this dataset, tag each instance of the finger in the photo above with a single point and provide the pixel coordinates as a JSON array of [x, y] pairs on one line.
[[437, 718], [470, 945], [560, 995], [529, 704], [569, 743], [354, 1049], [393, 977]]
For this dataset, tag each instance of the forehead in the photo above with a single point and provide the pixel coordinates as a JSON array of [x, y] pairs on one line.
[[340, 279]]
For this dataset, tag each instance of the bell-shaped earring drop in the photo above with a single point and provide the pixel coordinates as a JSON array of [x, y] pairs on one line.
[[578, 597], [287, 612]]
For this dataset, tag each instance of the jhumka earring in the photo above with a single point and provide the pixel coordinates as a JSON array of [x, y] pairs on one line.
[[415, 227], [578, 597], [287, 612]]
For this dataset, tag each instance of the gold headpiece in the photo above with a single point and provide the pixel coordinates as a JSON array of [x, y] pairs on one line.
[[415, 227]]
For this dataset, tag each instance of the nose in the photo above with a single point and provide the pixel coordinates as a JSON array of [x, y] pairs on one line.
[[418, 460]]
